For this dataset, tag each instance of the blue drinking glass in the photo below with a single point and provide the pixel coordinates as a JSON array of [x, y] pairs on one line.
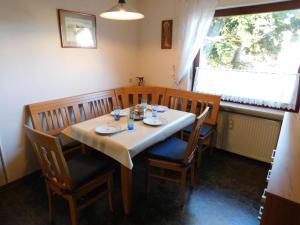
[[130, 124], [154, 110], [117, 111], [130, 120]]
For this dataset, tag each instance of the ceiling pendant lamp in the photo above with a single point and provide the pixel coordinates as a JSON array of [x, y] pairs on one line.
[[122, 11]]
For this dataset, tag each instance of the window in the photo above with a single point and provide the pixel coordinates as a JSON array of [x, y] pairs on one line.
[[252, 59]]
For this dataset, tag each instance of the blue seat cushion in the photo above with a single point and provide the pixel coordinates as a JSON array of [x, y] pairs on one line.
[[204, 130], [83, 168], [172, 149]]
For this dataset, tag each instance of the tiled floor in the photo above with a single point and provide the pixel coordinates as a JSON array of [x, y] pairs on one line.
[[228, 193]]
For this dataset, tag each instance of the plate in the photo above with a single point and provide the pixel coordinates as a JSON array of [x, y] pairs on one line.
[[107, 129], [122, 113], [153, 121], [160, 108]]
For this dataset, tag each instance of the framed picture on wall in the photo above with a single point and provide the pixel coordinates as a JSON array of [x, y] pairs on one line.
[[166, 34], [77, 30]]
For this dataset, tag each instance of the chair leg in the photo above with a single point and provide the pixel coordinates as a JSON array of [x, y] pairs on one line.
[[147, 178], [193, 174], [162, 171], [199, 154], [182, 186], [50, 203], [110, 192], [73, 210], [83, 149], [212, 140], [181, 134]]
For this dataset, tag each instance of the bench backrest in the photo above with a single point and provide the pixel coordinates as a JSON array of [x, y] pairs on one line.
[[193, 102], [97, 104], [130, 96], [53, 116]]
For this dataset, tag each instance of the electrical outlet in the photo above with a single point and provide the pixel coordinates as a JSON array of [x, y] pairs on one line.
[[130, 80]]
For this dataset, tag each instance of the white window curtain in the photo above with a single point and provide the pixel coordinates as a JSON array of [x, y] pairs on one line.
[[195, 17], [277, 90]]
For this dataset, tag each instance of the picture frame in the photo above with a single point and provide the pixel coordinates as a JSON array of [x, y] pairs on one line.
[[77, 29], [166, 34]]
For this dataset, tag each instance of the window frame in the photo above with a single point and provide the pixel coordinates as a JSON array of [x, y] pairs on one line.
[[244, 10]]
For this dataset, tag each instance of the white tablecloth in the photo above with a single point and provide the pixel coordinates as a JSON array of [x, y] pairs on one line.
[[125, 145]]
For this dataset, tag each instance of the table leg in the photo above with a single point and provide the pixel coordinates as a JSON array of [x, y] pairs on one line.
[[126, 186]]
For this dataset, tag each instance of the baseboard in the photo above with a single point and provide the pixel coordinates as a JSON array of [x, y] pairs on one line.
[[20, 180], [3, 173], [236, 155]]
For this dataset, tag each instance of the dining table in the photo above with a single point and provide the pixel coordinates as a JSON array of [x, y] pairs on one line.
[[125, 144]]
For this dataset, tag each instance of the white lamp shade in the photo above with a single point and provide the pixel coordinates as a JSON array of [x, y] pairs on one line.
[[122, 12]]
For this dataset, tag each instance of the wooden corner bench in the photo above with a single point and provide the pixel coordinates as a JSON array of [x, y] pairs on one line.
[[53, 116]]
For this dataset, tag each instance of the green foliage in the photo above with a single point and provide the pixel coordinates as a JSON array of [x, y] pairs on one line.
[[239, 42]]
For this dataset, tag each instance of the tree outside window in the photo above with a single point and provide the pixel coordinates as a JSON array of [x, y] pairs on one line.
[[256, 42]]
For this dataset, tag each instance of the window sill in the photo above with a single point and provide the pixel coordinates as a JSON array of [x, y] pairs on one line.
[[266, 113]]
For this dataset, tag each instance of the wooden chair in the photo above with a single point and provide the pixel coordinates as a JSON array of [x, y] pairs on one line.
[[130, 96], [174, 154], [196, 103], [71, 180], [51, 117]]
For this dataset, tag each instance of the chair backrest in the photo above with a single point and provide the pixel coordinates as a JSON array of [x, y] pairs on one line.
[[50, 157], [130, 96], [194, 136], [53, 116], [193, 102]]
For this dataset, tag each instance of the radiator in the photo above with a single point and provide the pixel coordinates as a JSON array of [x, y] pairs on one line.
[[248, 136]]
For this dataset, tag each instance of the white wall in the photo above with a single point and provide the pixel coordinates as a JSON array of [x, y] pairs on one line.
[[156, 64], [33, 66]]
